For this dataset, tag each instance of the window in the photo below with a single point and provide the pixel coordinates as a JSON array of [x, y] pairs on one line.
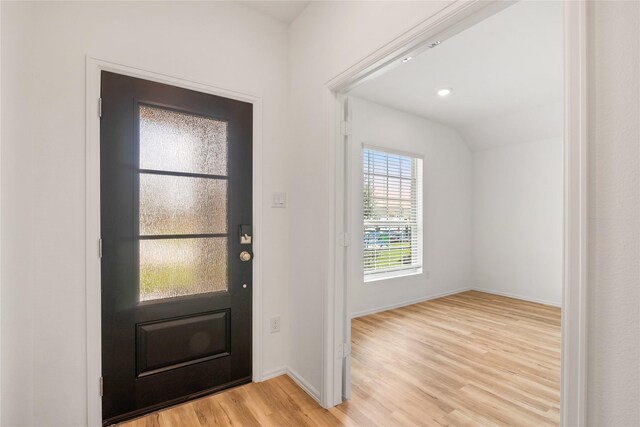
[[392, 202]]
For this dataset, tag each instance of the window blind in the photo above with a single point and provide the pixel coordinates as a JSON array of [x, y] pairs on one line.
[[392, 213]]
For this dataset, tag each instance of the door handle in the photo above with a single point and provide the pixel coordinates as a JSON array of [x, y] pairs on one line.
[[245, 256]]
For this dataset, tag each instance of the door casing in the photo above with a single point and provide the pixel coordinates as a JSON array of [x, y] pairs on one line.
[[94, 67], [449, 21]]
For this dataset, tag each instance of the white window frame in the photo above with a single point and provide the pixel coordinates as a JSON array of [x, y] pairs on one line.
[[414, 269]]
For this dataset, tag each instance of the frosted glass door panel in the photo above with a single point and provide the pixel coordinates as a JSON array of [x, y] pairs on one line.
[[182, 205], [178, 267], [181, 142]]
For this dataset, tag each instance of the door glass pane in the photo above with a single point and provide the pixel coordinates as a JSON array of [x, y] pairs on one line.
[[181, 142], [182, 205], [178, 267], [178, 204]]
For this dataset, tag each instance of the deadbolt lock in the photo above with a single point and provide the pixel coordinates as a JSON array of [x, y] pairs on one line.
[[245, 234], [245, 256]]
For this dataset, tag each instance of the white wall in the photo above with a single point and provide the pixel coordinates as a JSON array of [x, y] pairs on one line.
[[515, 218], [223, 44], [446, 200], [533, 124], [330, 37], [614, 214], [16, 391], [326, 38], [42, 175], [518, 220]]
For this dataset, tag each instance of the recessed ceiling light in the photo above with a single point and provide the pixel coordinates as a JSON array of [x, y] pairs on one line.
[[407, 59], [444, 92]]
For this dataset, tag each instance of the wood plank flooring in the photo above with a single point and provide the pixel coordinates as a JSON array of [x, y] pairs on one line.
[[466, 359]]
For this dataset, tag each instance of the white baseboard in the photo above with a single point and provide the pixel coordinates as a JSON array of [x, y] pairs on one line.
[[406, 302], [303, 384], [520, 297], [272, 373]]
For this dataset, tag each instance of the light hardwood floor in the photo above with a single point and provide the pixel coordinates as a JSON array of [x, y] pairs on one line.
[[466, 359]]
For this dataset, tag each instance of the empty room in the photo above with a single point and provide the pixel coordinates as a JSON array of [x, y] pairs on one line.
[[456, 206], [319, 213]]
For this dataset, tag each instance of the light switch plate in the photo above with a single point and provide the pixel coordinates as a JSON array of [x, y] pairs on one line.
[[279, 200]]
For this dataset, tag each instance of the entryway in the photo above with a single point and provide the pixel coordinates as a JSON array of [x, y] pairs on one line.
[[176, 244]]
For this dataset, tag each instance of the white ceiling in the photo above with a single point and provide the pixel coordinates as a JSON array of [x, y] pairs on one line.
[[534, 124], [509, 63], [285, 11]]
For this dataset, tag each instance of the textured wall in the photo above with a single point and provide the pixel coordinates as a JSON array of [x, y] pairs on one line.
[[614, 215]]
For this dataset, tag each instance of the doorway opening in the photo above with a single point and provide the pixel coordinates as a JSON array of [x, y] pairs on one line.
[[485, 109]]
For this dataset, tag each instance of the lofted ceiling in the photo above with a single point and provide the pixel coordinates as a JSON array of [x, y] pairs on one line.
[[284, 11], [509, 65]]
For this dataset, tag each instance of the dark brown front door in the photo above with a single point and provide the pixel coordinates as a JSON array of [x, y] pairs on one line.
[[176, 216]]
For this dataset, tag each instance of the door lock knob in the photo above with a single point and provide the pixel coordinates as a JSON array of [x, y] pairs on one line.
[[245, 256]]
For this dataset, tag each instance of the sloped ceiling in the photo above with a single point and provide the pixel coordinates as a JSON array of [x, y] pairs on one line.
[[506, 76]]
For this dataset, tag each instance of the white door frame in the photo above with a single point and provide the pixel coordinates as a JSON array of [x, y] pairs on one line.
[[94, 67], [448, 21]]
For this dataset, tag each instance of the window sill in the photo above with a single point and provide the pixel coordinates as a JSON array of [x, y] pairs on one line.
[[392, 275]]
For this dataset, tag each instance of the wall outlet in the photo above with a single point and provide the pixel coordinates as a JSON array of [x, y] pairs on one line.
[[274, 325]]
